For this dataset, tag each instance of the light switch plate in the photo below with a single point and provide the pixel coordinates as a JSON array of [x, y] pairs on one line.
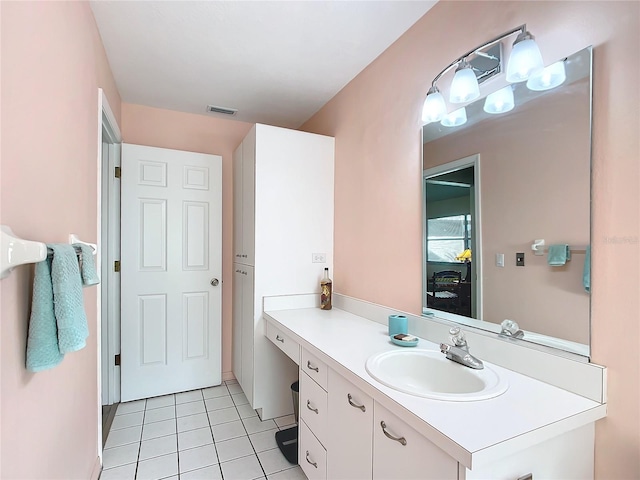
[[520, 259], [499, 259]]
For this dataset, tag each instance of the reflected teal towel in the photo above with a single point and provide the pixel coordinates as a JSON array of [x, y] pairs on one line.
[[67, 299], [42, 340], [586, 275], [89, 274], [558, 255]]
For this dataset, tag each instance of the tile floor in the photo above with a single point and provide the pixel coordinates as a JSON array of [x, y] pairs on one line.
[[212, 433]]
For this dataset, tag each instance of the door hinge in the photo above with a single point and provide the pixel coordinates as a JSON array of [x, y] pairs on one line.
[[117, 360], [116, 266], [118, 172]]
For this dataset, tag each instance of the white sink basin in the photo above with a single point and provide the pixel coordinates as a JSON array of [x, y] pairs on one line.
[[428, 373]]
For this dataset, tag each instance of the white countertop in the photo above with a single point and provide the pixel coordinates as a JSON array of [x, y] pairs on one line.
[[528, 413]]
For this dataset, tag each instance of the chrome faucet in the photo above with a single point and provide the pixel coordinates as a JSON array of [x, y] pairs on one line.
[[511, 329], [459, 351]]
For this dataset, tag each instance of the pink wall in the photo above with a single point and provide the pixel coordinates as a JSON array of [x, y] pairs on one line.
[[196, 133], [534, 183], [52, 65], [376, 122]]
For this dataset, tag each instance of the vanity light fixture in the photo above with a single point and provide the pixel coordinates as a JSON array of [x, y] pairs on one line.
[[500, 101], [455, 119], [464, 86], [434, 108], [525, 60], [550, 77]]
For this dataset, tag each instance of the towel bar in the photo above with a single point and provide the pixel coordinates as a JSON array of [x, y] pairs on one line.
[[538, 247], [15, 251]]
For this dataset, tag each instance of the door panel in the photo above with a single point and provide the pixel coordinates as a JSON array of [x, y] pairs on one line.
[[171, 251]]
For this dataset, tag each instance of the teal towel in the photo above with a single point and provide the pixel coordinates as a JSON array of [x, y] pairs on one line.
[[67, 299], [42, 339], [88, 270], [558, 255], [586, 275]]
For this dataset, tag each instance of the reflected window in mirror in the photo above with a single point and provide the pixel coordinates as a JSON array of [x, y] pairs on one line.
[[532, 181]]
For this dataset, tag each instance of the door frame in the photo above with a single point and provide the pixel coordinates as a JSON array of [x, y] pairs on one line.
[[106, 330], [470, 161]]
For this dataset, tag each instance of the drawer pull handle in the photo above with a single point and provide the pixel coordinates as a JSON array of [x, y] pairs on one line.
[[310, 462], [311, 367], [279, 338], [402, 440], [350, 399], [311, 408]]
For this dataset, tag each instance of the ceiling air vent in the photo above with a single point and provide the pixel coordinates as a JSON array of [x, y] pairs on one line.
[[223, 110]]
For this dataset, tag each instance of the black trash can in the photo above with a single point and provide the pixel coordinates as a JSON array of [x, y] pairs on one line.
[[287, 440]]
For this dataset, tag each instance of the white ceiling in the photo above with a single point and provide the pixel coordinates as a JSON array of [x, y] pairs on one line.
[[276, 62]]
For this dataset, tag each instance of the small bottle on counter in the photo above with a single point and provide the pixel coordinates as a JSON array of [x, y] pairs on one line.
[[326, 286]]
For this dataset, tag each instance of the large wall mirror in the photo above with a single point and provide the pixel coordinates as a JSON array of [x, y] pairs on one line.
[[496, 185]]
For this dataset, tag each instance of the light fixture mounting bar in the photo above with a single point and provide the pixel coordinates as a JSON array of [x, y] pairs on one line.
[[522, 29]]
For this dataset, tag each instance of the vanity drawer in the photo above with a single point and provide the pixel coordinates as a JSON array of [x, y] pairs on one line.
[[313, 407], [312, 457], [284, 342], [401, 452], [314, 367]]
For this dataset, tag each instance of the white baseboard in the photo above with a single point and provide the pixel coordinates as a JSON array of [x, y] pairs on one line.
[[227, 376], [97, 469]]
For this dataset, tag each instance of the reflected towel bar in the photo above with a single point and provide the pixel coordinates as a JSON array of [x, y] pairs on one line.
[[538, 247]]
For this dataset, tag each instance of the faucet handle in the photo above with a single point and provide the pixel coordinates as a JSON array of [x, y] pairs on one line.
[[457, 337], [510, 329]]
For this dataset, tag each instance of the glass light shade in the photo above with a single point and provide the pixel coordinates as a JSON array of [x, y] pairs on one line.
[[455, 119], [500, 101], [550, 77], [464, 87], [525, 59], [434, 108]]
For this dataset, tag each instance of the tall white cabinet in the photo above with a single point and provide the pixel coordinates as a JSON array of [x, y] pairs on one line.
[[283, 214]]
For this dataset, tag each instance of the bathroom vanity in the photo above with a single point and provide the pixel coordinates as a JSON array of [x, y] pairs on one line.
[[352, 426]]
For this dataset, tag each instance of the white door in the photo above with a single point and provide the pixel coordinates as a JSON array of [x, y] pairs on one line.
[[171, 271]]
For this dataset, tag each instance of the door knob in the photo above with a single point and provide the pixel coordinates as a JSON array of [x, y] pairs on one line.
[[214, 282]]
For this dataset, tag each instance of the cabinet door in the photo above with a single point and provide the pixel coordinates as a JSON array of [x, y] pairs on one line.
[[246, 272], [236, 330], [349, 452], [401, 452], [248, 198], [237, 204]]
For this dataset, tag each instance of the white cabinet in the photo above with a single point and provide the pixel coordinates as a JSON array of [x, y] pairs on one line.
[[243, 201], [283, 213], [236, 329], [314, 415], [350, 427], [401, 452]]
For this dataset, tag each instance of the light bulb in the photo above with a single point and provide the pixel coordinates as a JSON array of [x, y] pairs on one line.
[[500, 101], [550, 77], [464, 87], [455, 119], [525, 59], [434, 107]]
